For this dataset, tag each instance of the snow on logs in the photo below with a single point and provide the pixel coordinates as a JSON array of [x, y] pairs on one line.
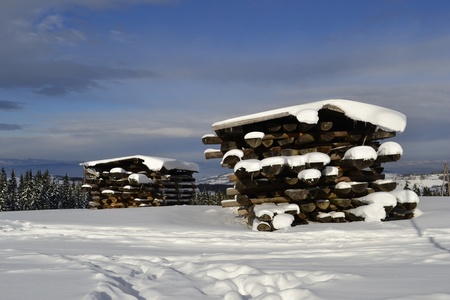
[[325, 158], [138, 180]]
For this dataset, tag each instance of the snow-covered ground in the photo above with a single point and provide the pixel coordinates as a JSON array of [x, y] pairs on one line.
[[206, 252]]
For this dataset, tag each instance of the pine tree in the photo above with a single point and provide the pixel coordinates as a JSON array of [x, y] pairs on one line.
[[11, 192], [416, 189], [407, 186], [46, 191], [3, 189], [37, 191], [427, 191], [25, 191], [64, 193]]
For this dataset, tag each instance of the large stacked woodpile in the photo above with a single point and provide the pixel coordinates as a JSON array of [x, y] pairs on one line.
[[139, 181], [316, 162]]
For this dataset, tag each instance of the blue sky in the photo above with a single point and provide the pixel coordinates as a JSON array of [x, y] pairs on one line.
[[91, 79]]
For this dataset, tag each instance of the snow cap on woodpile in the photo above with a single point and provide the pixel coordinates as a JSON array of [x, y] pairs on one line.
[[153, 163], [385, 118]]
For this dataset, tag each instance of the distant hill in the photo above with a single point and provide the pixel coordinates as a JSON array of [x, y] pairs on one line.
[[56, 168]]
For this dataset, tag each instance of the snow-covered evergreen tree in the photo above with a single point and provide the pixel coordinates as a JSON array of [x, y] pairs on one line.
[[11, 192], [3, 189]]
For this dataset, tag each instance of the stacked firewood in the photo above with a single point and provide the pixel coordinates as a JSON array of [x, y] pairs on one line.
[[129, 182], [326, 167]]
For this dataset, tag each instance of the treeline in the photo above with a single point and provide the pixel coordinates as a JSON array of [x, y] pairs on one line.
[[209, 197], [40, 191], [427, 191]]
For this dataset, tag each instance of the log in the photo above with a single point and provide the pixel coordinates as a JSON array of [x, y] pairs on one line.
[[297, 194], [384, 185], [211, 140], [359, 187], [303, 127], [322, 217], [326, 136], [267, 143], [307, 207], [230, 203], [270, 200], [243, 200], [230, 192], [272, 171], [356, 163], [322, 204], [212, 154], [264, 226], [286, 141], [289, 126], [304, 139], [289, 152], [291, 180], [273, 127], [325, 125], [341, 202], [227, 146], [388, 158]]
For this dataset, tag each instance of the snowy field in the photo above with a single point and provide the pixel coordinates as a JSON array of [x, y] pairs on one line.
[[205, 252]]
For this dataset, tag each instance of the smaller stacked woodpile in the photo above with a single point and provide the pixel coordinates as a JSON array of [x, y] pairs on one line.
[[139, 181], [318, 162]]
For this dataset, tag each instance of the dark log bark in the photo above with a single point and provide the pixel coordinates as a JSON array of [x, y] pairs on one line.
[[388, 158], [341, 202], [304, 127], [307, 207], [227, 146], [297, 194], [290, 126], [323, 204], [304, 139], [325, 126], [272, 171]]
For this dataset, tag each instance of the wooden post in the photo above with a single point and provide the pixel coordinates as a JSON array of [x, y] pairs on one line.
[[445, 178]]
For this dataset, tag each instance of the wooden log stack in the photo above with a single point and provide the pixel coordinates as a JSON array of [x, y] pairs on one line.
[[139, 181], [325, 157]]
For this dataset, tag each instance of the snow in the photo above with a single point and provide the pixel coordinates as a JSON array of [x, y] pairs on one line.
[[273, 161], [296, 160], [139, 179], [309, 174], [390, 148], [250, 165], [234, 152], [406, 196], [371, 213], [271, 209], [360, 152], [152, 162], [254, 135], [117, 171], [343, 185], [330, 171], [308, 116], [385, 118], [318, 157], [283, 220], [206, 252], [381, 198]]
